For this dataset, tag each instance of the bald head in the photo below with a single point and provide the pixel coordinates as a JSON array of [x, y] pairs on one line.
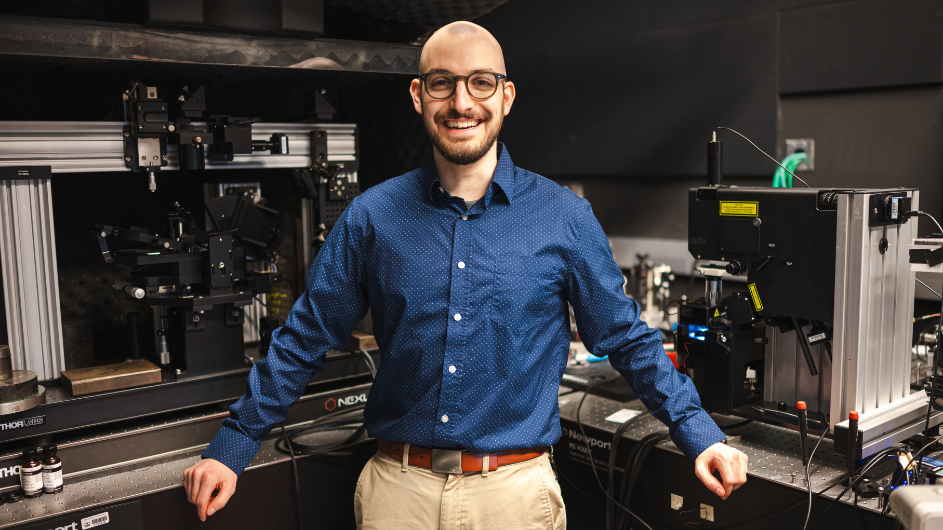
[[465, 43]]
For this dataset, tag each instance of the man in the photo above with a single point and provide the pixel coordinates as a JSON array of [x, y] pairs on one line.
[[467, 265]]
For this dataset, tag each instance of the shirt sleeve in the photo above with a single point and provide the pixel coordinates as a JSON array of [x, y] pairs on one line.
[[609, 324], [321, 319]]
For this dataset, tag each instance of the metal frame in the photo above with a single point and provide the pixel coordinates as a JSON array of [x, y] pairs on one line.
[[30, 276], [68, 39], [91, 146], [874, 310]]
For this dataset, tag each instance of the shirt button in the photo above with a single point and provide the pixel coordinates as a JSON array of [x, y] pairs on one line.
[[445, 418], [464, 218], [461, 264], [457, 317], [452, 369]]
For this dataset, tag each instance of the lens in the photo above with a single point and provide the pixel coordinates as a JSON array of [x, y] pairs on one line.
[[440, 85], [482, 85]]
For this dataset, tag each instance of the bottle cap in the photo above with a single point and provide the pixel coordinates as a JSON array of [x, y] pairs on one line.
[[50, 449], [800, 405], [853, 415], [29, 453]]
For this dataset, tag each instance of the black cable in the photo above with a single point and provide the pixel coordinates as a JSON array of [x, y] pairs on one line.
[[771, 158], [297, 477], [936, 357], [613, 451], [862, 472], [808, 478], [589, 450]]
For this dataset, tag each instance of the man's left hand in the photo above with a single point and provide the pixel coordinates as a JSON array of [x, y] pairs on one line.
[[731, 464]]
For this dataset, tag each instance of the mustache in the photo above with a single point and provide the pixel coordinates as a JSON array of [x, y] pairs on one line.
[[452, 114]]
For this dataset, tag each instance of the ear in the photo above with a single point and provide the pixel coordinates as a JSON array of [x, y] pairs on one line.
[[415, 90], [510, 92]]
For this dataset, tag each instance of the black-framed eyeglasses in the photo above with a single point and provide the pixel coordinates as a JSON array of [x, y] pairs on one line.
[[480, 85]]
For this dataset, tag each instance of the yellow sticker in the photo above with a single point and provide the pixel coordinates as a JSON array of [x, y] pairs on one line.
[[740, 208], [717, 312], [756, 297]]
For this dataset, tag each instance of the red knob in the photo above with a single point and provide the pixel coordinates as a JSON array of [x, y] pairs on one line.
[[800, 405]]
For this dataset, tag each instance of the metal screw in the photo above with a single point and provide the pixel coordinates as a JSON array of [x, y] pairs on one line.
[[163, 108], [163, 126], [198, 139], [723, 338], [757, 222], [171, 128], [793, 477], [166, 244], [126, 134], [875, 210], [143, 157], [235, 313], [128, 158], [139, 107], [155, 157], [104, 234], [140, 126], [179, 371], [196, 318], [222, 265], [164, 157]]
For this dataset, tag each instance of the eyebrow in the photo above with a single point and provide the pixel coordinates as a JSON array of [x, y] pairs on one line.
[[443, 70]]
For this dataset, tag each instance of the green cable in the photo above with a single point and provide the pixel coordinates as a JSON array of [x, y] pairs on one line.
[[781, 179]]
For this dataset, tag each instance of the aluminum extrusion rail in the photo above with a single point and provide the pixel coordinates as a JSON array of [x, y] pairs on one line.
[[98, 146]]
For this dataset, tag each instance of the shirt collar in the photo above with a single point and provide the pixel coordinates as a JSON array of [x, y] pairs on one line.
[[503, 176]]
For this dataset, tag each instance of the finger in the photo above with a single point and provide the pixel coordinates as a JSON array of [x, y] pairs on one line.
[[196, 477], [744, 461], [225, 492], [186, 482], [207, 485], [736, 466], [727, 475], [702, 472]]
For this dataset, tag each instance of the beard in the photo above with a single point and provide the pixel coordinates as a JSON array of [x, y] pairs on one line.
[[470, 150]]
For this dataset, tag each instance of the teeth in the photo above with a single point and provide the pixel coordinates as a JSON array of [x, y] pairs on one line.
[[463, 124]]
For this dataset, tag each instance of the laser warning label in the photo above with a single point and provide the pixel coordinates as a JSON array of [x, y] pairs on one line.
[[757, 303], [739, 208]]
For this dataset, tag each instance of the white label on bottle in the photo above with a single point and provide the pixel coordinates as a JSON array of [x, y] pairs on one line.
[[31, 479], [52, 477]]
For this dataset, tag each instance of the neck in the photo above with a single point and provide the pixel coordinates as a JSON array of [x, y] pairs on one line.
[[468, 182]]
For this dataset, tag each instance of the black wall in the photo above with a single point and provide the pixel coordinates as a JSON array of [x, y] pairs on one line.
[[623, 96]]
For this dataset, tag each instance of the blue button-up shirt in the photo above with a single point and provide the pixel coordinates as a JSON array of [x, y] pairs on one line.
[[470, 313]]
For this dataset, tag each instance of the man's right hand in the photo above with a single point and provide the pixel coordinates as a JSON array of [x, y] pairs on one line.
[[202, 480]]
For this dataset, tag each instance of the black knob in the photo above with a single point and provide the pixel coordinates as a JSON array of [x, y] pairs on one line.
[[781, 406], [736, 268]]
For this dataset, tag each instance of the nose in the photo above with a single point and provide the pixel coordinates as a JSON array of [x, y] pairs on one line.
[[461, 100]]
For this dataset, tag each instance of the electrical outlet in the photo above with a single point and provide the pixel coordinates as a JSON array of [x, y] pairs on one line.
[[807, 146], [707, 512], [676, 501]]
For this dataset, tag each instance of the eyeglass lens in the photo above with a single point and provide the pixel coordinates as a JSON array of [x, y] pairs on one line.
[[480, 85]]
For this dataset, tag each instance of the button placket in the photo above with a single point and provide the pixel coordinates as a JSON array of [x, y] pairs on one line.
[[448, 408]]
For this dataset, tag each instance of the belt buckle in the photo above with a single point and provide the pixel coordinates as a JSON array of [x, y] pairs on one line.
[[447, 461]]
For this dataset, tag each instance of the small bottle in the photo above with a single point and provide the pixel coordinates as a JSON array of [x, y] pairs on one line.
[[31, 474], [52, 470]]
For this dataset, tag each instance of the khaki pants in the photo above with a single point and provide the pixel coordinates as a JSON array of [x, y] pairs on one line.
[[525, 495]]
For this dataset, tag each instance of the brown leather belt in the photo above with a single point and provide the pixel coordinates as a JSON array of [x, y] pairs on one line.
[[455, 460]]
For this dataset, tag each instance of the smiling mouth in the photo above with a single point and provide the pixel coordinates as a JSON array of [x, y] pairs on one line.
[[461, 124]]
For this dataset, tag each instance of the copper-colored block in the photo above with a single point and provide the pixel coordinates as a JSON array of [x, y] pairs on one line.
[[83, 381], [361, 341]]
